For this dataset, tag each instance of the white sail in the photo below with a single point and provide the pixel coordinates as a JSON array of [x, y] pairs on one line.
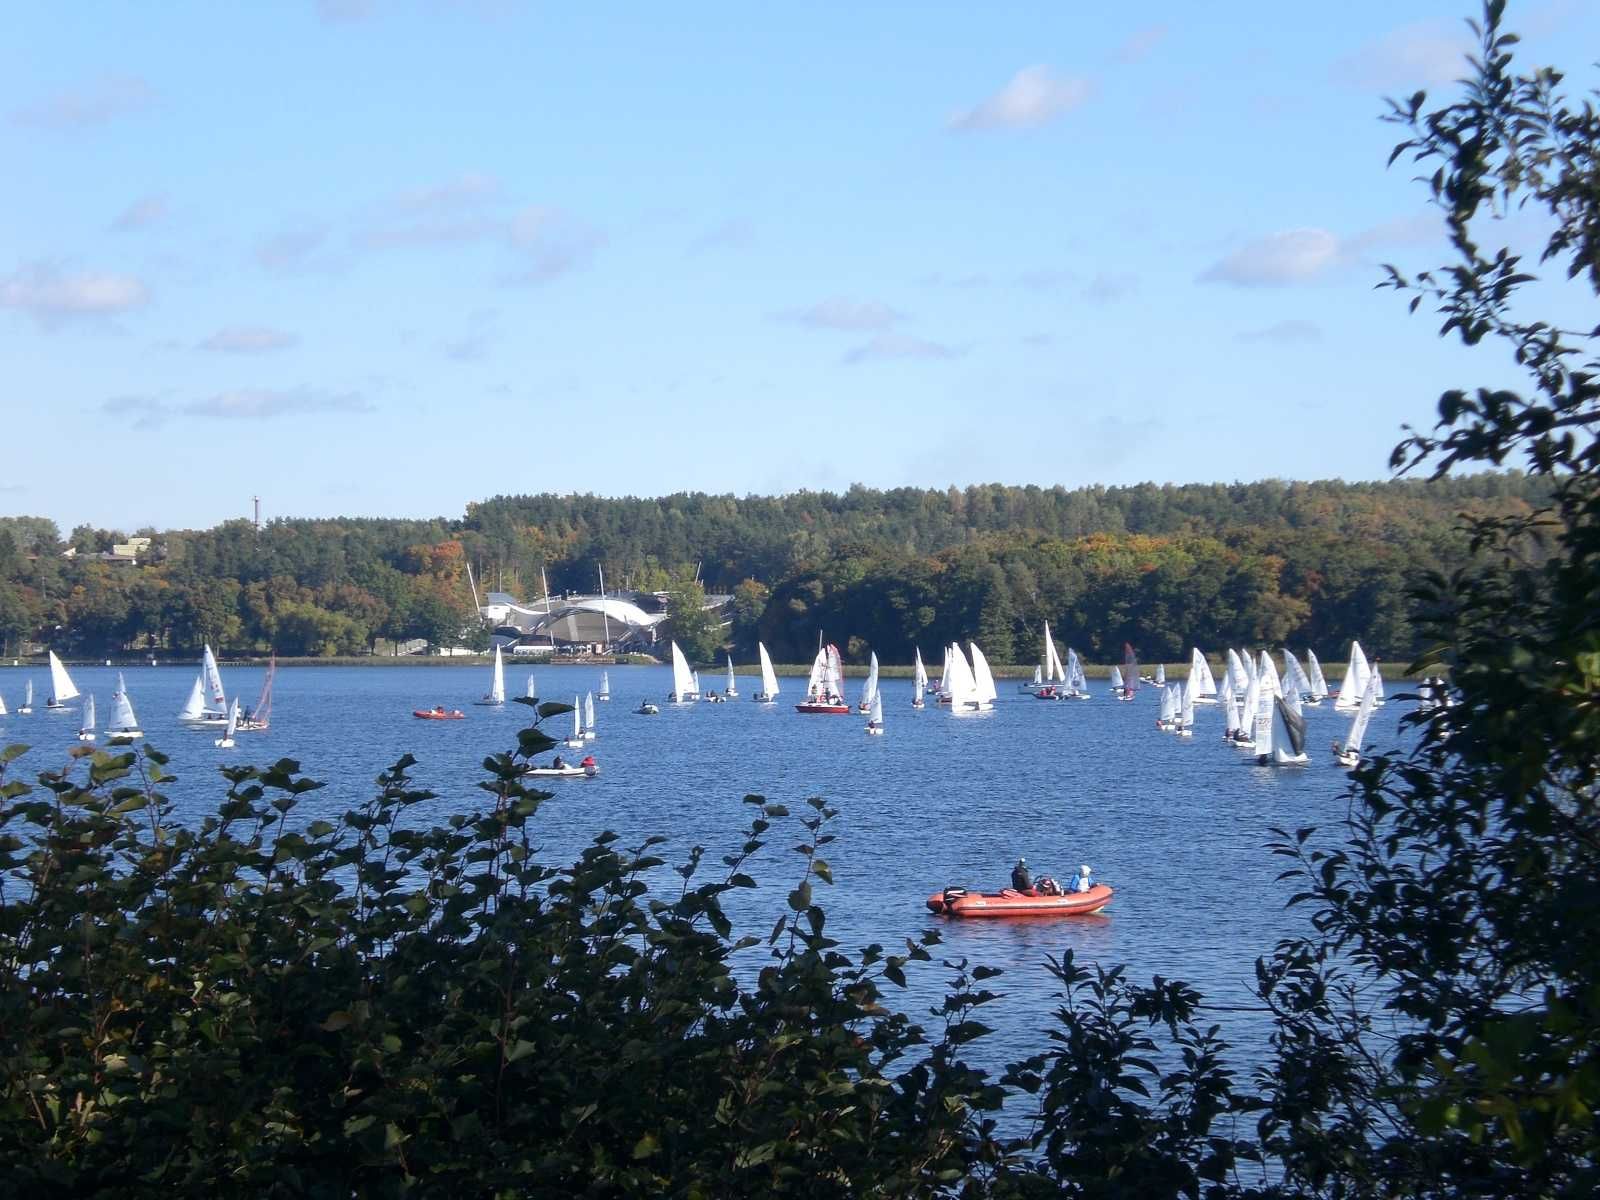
[[1116, 679], [733, 687], [833, 674], [1358, 725], [122, 719], [27, 698], [920, 678], [1294, 674], [819, 672], [213, 679], [694, 684], [1205, 683], [194, 709], [588, 717], [769, 677], [875, 719], [62, 688], [497, 685], [2, 706], [1038, 676], [1319, 685], [1249, 705], [1268, 673], [86, 730], [960, 685], [1191, 689], [1237, 675], [530, 691], [1289, 735], [1261, 718], [1076, 679], [1168, 712], [683, 689], [605, 686], [226, 740], [869, 690], [987, 693], [1354, 683], [1161, 674], [1058, 670], [1375, 682]]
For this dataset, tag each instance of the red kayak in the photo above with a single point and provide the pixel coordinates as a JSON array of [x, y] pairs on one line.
[[959, 902], [438, 713]]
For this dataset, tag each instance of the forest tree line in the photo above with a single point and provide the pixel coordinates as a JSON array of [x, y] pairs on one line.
[[1161, 567]]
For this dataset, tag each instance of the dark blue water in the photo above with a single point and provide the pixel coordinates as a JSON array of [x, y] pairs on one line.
[[1175, 825]]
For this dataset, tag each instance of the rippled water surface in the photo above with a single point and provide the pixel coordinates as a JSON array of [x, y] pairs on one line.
[[1175, 826]]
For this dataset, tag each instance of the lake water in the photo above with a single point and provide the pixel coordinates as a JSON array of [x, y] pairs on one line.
[[1175, 825]]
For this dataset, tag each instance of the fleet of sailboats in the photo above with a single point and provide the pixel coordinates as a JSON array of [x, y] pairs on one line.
[[1263, 709]]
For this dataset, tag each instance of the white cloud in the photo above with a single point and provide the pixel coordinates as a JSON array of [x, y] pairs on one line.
[[94, 103], [1292, 256], [550, 242], [1421, 55], [1140, 43], [51, 296], [260, 404], [141, 214], [1033, 97], [897, 345], [841, 313], [249, 339], [1284, 333]]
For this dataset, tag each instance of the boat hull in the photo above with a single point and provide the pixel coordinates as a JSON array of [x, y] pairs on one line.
[[958, 902], [826, 709], [423, 714]]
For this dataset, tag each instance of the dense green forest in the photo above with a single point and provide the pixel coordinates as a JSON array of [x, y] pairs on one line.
[[1162, 567]]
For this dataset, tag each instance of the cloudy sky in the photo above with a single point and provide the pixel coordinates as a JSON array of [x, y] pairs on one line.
[[385, 257]]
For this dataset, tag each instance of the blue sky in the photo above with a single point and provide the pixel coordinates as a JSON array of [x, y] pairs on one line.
[[386, 257]]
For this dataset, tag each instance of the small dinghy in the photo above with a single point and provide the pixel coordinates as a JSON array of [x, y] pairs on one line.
[[647, 709], [1008, 902], [587, 769], [438, 713]]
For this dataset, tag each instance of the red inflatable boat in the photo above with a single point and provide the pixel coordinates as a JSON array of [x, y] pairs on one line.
[[438, 713], [959, 902]]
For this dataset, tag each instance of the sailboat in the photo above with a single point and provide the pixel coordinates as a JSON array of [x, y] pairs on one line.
[[1261, 720], [1248, 727], [124, 726], [825, 687], [919, 681], [61, 686], [605, 686], [86, 730], [1318, 691], [1050, 677], [875, 721], [215, 711], [683, 687], [1185, 727], [2, 706], [193, 711], [1167, 718], [869, 690], [769, 678], [1294, 674], [1036, 684], [983, 677], [1377, 686], [1354, 684], [1116, 682], [226, 740], [1077, 681], [588, 718], [576, 740], [26, 707], [496, 694], [1205, 689], [1349, 754], [260, 717], [1289, 738], [1130, 672], [732, 690], [530, 691]]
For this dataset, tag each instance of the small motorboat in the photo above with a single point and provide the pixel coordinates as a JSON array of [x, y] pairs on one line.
[[1008, 902], [438, 713], [647, 709], [587, 769]]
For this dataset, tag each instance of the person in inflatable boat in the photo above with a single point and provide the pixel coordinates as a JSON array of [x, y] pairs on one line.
[[1020, 877], [1085, 880]]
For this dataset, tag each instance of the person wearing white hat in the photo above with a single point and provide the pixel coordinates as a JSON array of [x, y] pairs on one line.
[[1084, 881]]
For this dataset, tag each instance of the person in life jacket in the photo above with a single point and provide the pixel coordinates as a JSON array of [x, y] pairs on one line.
[[1085, 880]]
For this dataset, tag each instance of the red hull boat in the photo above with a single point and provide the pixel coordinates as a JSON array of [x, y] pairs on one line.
[[438, 714], [959, 902]]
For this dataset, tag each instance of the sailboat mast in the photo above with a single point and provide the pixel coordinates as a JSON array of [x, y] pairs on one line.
[[604, 619]]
